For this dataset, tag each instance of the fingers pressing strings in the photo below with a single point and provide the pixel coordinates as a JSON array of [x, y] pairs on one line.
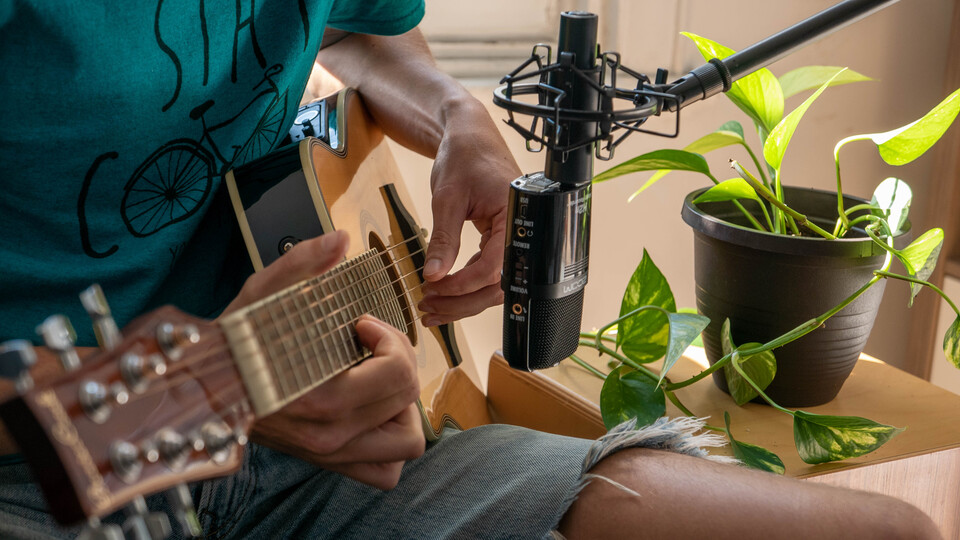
[[186, 369]]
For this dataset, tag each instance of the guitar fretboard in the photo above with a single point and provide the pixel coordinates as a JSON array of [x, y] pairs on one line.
[[292, 341]]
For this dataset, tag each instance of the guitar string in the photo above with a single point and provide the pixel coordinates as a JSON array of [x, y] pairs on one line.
[[180, 366], [183, 421], [406, 308], [226, 363]]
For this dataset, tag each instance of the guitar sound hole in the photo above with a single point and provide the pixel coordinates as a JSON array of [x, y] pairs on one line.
[[403, 278]]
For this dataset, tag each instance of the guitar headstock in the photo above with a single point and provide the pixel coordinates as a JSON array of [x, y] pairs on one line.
[[161, 406]]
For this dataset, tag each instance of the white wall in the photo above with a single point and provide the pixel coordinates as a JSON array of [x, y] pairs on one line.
[[903, 47]]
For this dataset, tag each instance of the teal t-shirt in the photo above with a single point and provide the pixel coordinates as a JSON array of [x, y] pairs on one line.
[[117, 122]]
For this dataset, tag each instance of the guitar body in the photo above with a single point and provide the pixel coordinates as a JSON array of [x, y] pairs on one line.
[[173, 398], [346, 179]]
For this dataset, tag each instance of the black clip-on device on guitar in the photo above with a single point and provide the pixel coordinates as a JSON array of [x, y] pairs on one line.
[[573, 102]]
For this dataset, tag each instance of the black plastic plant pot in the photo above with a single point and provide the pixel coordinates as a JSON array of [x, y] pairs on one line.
[[769, 284]]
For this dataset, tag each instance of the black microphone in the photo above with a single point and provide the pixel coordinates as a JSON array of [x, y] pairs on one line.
[[548, 236], [548, 219]]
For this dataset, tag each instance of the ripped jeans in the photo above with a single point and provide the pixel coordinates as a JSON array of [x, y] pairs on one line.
[[494, 481]]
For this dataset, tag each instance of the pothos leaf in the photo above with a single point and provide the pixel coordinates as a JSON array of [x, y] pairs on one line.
[[920, 257], [698, 342], [760, 367], [684, 328], [821, 438], [729, 190], [727, 135], [676, 160], [951, 343], [644, 336], [905, 144], [893, 196], [752, 455], [628, 394], [810, 77], [776, 143], [757, 94]]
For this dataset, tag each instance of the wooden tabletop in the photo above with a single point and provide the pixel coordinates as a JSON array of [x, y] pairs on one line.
[[874, 390]]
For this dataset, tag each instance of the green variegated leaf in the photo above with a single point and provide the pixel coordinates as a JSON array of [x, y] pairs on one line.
[[821, 438], [893, 196], [644, 337], [729, 190], [779, 138], [905, 144], [810, 77], [920, 257], [675, 160], [757, 94], [761, 367], [629, 394], [752, 455], [951, 343], [698, 342], [728, 134], [684, 328]]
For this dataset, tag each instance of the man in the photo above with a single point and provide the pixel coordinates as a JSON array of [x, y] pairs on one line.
[[95, 96]]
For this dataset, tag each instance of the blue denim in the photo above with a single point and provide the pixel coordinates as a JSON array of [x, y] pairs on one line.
[[489, 482]]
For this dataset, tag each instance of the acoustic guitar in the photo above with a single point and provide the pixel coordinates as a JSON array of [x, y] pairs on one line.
[[173, 399]]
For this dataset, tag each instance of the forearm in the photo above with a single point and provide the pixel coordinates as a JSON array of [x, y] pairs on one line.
[[402, 88]]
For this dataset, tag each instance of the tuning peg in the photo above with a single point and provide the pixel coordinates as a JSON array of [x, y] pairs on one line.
[[173, 337], [182, 503], [97, 531], [105, 328], [58, 334], [144, 525], [16, 358]]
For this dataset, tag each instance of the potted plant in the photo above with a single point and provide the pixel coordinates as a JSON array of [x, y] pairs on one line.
[[774, 237]]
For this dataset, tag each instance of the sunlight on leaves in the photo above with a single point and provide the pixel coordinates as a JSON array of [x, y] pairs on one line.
[[729, 134], [757, 94], [675, 160], [752, 455], [644, 336], [684, 328], [951, 343], [920, 258], [776, 144], [905, 144], [729, 190], [821, 438], [629, 394], [810, 77], [894, 197]]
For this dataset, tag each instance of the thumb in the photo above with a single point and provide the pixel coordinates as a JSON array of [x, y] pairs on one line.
[[445, 241]]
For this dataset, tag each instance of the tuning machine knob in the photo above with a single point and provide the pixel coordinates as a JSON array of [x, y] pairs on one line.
[[16, 358], [174, 337], [104, 327], [58, 335], [142, 524], [182, 503]]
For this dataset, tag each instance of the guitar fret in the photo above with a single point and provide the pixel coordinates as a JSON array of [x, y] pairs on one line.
[[283, 338], [269, 342], [310, 318], [320, 315], [296, 367], [383, 286], [336, 316], [347, 330], [394, 303]]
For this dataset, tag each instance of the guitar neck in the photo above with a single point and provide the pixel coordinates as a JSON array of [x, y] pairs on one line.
[[290, 342]]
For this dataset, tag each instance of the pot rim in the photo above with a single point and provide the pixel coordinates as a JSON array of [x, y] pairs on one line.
[[704, 223]]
